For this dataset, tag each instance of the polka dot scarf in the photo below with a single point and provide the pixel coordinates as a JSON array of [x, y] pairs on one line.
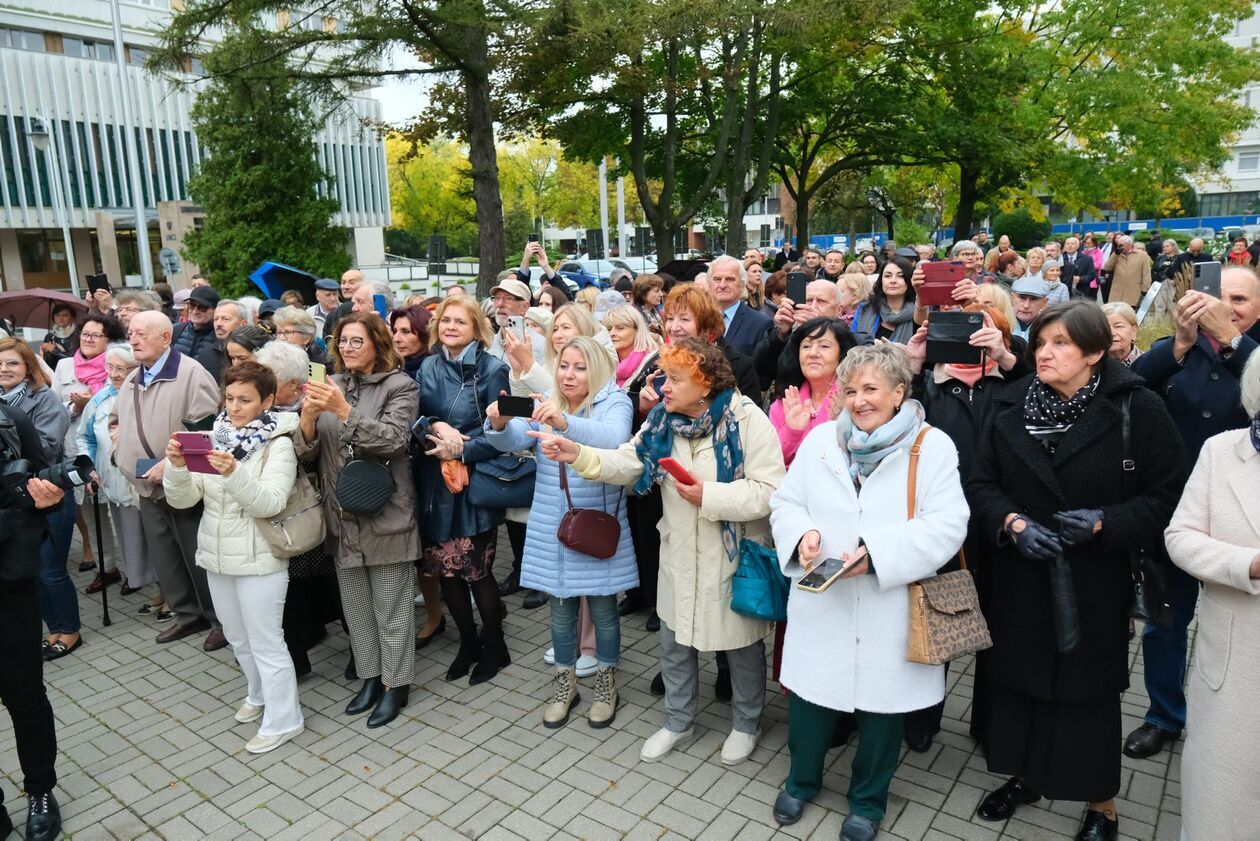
[[1255, 432], [1048, 417]]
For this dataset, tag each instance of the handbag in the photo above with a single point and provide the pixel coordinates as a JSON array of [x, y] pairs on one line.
[[759, 589], [363, 487], [588, 530], [299, 526], [945, 617], [505, 481], [1150, 580]]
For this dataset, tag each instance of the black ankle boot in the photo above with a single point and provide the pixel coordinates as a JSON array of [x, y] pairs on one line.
[[351, 673], [43, 817], [495, 657], [468, 654], [390, 706], [367, 698]]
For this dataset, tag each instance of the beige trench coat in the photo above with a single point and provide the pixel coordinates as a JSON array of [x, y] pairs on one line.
[[1215, 536], [694, 584], [1131, 278]]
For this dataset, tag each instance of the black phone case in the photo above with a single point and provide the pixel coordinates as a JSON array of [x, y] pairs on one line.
[[516, 407], [948, 334]]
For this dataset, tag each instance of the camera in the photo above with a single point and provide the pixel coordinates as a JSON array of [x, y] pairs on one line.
[[67, 475]]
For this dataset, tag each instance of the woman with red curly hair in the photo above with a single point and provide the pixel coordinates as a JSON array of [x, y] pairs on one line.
[[733, 462]]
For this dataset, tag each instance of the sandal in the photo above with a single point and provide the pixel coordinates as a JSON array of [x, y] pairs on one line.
[[59, 649], [164, 615], [87, 566], [146, 609]]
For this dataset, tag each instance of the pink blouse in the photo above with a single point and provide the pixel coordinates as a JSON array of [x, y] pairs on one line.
[[791, 438]]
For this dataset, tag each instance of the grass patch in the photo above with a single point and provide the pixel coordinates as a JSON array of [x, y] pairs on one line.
[[1154, 328]]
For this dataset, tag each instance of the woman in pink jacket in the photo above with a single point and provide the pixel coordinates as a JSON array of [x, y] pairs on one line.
[[808, 386]]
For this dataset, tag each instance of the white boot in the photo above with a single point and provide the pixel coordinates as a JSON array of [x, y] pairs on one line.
[[564, 695]]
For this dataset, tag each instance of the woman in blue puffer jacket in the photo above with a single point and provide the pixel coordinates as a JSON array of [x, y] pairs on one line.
[[586, 406]]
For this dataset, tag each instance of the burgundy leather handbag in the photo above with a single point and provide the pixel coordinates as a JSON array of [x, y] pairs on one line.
[[588, 530]]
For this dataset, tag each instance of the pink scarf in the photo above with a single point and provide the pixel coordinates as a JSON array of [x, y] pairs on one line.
[[90, 372], [627, 366], [970, 374]]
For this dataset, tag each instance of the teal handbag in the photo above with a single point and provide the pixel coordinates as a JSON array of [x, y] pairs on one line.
[[759, 590]]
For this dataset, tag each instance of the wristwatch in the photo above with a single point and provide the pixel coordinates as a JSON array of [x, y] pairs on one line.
[[1235, 342]]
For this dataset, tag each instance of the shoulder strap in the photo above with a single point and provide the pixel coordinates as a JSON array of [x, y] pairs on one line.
[[912, 477], [144, 442], [1126, 435], [564, 485]]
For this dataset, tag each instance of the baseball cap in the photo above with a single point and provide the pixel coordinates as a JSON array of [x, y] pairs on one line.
[[328, 284], [907, 252], [624, 284], [1031, 286], [539, 316], [204, 296], [269, 307], [513, 287], [181, 299]]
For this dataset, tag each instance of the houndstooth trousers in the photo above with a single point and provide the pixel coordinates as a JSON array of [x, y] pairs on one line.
[[378, 602]]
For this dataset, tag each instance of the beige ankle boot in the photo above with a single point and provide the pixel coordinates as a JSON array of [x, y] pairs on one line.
[[564, 695], [604, 710]]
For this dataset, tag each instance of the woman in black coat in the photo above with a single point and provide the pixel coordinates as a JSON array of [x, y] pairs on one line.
[[1051, 494]]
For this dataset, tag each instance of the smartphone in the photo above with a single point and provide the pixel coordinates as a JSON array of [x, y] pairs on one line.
[[680, 474], [949, 337], [939, 280], [195, 445], [533, 237], [378, 303], [825, 574], [516, 407], [144, 465], [658, 383], [516, 324], [1207, 279], [318, 372], [796, 283]]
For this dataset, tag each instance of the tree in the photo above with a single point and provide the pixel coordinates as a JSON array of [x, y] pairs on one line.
[[1024, 230], [262, 189], [430, 192]]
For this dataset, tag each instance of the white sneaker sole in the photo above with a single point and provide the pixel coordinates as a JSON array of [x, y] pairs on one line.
[[680, 743], [249, 718], [280, 740]]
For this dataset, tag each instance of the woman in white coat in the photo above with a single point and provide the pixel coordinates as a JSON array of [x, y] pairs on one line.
[[845, 498], [1215, 536], [732, 453], [256, 468]]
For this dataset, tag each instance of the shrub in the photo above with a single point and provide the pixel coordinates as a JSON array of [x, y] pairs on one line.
[[1022, 228]]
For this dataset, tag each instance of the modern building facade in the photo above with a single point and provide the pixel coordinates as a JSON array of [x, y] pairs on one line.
[[58, 66]]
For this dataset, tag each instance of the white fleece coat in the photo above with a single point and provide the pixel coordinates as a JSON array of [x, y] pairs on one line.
[[845, 648]]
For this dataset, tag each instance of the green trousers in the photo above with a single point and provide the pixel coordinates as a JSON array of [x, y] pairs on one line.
[[810, 729]]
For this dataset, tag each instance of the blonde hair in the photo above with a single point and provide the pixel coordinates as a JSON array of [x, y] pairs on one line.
[[627, 315], [480, 324], [1122, 309], [995, 295], [857, 284], [599, 370], [586, 297], [582, 319], [854, 268]]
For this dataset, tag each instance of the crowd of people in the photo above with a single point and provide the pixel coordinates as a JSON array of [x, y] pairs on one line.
[[638, 445]]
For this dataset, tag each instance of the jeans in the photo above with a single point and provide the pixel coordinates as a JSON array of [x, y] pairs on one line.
[[22, 685], [1164, 652], [564, 621], [58, 600]]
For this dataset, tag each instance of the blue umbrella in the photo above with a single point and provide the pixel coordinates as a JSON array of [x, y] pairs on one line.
[[276, 278]]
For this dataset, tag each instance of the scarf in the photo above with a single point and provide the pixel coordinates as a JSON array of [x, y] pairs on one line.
[[656, 441], [63, 333], [867, 449], [1255, 432], [627, 366], [969, 375], [1048, 417], [245, 441], [901, 322], [14, 396], [90, 372]]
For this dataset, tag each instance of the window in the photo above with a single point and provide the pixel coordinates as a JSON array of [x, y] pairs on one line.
[[196, 67], [23, 39], [137, 55], [80, 48], [1248, 161], [1246, 97], [1229, 204]]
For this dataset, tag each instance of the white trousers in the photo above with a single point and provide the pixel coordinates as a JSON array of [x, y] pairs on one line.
[[251, 608]]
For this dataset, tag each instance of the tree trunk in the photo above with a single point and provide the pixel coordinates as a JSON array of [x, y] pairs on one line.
[[889, 219], [483, 164], [663, 230], [802, 219], [967, 180]]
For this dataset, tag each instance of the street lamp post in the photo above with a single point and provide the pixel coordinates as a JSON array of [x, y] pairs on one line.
[[43, 140]]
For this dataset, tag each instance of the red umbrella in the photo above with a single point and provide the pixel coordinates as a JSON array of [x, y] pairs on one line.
[[34, 307]]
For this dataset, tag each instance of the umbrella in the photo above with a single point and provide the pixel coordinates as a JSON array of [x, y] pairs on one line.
[[275, 279], [34, 307], [683, 269]]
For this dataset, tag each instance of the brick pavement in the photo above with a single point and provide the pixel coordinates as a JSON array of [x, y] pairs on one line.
[[149, 750]]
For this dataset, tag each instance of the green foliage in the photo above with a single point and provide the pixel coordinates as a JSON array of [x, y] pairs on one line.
[[430, 192], [262, 189], [1022, 228], [911, 232]]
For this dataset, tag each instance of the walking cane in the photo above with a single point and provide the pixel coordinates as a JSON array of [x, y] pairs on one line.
[[100, 552]]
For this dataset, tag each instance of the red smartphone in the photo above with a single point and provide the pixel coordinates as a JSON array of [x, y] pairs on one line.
[[939, 280], [195, 445], [680, 474]]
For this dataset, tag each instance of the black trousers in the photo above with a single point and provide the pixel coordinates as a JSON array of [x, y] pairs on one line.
[[644, 513], [22, 686]]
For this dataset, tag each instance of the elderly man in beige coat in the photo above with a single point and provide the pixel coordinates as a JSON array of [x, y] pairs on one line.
[[165, 390], [1130, 270], [1215, 536]]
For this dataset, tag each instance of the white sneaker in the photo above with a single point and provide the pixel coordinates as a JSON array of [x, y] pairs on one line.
[[262, 744], [587, 666], [420, 600], [549, 656], [660, 743], [738, 747], [249, 712]]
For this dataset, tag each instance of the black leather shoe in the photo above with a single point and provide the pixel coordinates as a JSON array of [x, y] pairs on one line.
[[654, 623], [390, 705], [919, 742], [495, 657], [464, 658], [511, 584], [787, 809], [6, 823], [722, 686], [534, 599], [1146, 741], [421, 642], [369, 696], [1000, 805], [43, 817], [1098, 827], [859, 828], [658, 685]]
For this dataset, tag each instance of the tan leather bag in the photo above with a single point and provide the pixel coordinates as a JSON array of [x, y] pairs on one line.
[[945, 617]]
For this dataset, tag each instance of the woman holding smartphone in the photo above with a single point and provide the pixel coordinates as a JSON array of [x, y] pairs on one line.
[[844, 498]]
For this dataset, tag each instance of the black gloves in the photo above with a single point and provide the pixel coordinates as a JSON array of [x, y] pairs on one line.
[[1077, 527], [1034, 541]]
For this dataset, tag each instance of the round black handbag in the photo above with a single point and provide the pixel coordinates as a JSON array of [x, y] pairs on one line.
[[364, 488]]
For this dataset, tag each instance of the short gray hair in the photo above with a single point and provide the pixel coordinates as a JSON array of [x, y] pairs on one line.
[[295, 317], [1121, 309], [963, 246], [1124, 239], [380, 287], [889, 360], [726, 258], [144, 300], [288, 362], [1251, 386], [241, 311], [123, 351], [251, 303]]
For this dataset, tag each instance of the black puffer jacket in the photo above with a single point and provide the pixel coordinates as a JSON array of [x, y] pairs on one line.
[[1014, 473]]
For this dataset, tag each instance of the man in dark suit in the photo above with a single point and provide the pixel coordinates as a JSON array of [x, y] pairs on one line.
[[745, 326], [786, 255], [1078, 270]]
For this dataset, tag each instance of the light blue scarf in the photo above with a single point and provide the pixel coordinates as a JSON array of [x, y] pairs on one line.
[[867, 449]]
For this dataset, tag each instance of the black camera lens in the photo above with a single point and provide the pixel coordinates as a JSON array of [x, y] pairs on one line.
[[69, 474]]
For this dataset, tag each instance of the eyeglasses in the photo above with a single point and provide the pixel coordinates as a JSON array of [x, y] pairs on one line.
[[354, 342], [129, 308], [93, 337], [118, 369], [285, 334], [9, 364]]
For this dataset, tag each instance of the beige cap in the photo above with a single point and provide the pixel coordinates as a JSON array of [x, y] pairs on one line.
[[513, 287]]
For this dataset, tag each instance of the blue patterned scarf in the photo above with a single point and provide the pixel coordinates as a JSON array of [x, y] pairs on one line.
[[245, 441], [656, 441], [867, 449], [1255, 432]]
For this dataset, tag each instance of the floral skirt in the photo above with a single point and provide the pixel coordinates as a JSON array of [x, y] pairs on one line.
[[469, 558]]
